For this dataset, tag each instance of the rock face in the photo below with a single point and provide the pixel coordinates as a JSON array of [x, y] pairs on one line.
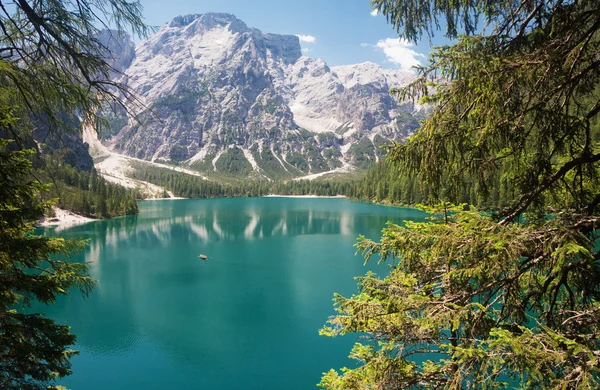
[[222, 97], [66, 145], [118, 49]]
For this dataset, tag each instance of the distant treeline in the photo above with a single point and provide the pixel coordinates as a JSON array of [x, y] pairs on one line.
[[386, 183], [316, 187], [85, 193], [383, 183], [189, 186]]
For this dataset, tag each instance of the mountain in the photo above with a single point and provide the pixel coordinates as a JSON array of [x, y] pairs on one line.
[[221, 97]]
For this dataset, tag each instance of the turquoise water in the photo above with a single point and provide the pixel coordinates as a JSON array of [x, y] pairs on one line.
[[246, 318]]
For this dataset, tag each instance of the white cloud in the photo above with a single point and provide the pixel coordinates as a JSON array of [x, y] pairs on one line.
[[306, 38], [305, 50], [399, 52], [366, 45], [374, 12]]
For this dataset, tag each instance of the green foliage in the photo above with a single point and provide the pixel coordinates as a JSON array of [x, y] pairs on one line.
[[315, 160], [342, 129], [331, 153], [114, 124], [326, 138], [33, 349], [314, 187], [178, 153], [298, 161], [85, 193], [204, 164], [492, 307], [490, 300], [114, 119], [52, 68], [189, 186], [234, 162], [364, 153], [383, 183], [272, 106], [271, 165], [305, 134], [65, 71]]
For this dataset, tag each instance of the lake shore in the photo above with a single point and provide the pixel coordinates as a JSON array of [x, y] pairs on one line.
[[173, 198], [264, 196], [64, 218], [304, 196]]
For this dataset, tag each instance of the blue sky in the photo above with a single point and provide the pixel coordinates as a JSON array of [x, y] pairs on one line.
[[338, 31]]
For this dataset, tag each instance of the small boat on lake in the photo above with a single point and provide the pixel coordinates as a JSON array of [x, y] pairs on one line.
[[203, 257]]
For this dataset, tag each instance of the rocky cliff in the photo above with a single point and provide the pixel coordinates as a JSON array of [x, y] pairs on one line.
[[222, 97]]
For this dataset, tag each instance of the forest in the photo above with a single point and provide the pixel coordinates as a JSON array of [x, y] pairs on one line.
[[384, 183], [188, 186], [85, 193]]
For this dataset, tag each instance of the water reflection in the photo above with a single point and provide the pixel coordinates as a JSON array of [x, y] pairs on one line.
[[210, 225], [254, 307]]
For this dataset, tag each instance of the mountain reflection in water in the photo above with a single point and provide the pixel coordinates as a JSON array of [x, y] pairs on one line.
[[248, 317]]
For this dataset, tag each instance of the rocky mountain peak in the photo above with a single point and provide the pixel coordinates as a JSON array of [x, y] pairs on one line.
[[208, 20], [286, 47], [370, 73], [119, 49], [225, 98]]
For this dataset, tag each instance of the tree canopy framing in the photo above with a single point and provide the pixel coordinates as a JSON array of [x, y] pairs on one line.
[[507, 298]]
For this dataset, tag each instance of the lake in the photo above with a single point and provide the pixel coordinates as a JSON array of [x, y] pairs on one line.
[[246, 318]]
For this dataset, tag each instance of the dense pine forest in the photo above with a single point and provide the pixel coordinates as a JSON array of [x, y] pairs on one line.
[[85, 193], [189, 186], [383, 183], [88, 194]]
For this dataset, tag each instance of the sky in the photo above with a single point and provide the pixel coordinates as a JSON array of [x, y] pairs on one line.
[[338, 31]]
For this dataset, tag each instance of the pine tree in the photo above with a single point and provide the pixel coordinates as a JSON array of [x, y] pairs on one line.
[[503, 299], [51, 67], [33, 349]]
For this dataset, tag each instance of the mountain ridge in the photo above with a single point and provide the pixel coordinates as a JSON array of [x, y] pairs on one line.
[[225, 98]]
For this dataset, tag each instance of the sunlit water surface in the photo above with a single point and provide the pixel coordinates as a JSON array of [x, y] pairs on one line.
[[246, 318]]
